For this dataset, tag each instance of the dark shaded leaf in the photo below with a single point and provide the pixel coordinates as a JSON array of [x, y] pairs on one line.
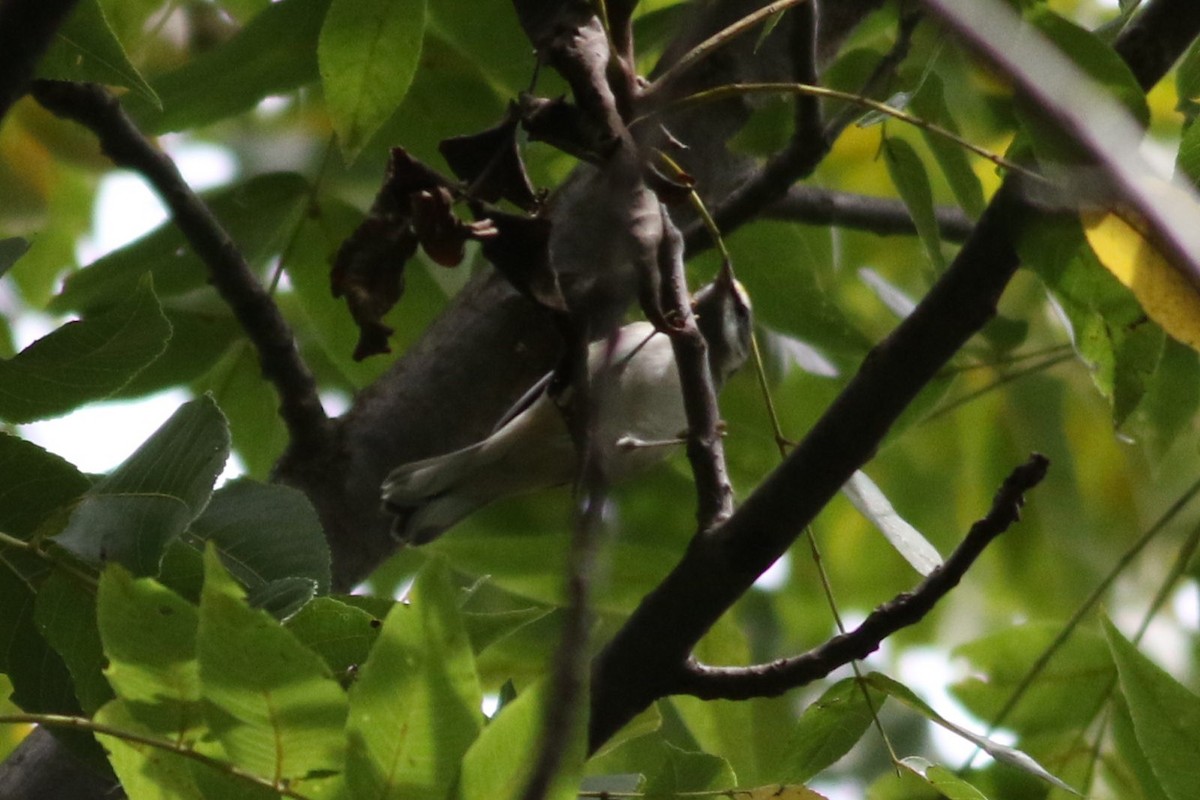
[[259, 214], [369, 268], [11, 250], [521, 252], [491, 165], [275, 53], [65, 614], [85, 360], [131, 515]]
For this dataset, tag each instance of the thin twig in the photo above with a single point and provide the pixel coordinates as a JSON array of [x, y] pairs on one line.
[[182, 750], [300, 407], [705, 448], [807, 116], [1086, 608], [718, 93], [880, 215], [764, 680], [879, 76], [715, 42]]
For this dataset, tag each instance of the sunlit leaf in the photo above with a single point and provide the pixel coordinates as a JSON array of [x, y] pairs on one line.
[[497, 765], [1168, 297], [944, 780], [1166, 718], [414, 708], [368, 54], [272, 702], [338, 632], [149, 637], [84, 360], [145, 770], [688, 771], [87, 50]]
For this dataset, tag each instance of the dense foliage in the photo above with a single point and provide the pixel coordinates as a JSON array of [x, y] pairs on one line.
[[876, 177]]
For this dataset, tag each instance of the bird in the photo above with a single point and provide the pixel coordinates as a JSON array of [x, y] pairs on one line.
[[639, 422]]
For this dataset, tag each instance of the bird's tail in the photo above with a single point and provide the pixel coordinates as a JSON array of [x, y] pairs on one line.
[[430, 496]]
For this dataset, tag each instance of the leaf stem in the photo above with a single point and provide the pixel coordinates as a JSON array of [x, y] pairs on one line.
[[91, 726]]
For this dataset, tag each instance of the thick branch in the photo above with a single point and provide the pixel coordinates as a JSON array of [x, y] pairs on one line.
[[816, 206], [639, 664], [777, 677], [92, 106], [27, 28]]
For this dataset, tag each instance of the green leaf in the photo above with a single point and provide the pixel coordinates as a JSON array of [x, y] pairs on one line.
[[65, 614], [912, 182], [85, 360], [199, 337], [130, 516], [999, 662], [945, 781], [1001, 753], [687, 771], [259, 214], [275, 53], [930, 104], [1166, 717], [338, 632], [264, 533], [415, 707], [1172, 399], [149, 638], [368, 53], [40, 679], [1187, 161], [145, 771], [1109, 329], [1131, 750], [498, 763], [1094, 57], [87, 50], [251, 406], [33, 484], [1187, 78], [273, 704], [827, 730]]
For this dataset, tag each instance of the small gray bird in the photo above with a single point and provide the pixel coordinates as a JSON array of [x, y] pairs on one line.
[[639, 420]]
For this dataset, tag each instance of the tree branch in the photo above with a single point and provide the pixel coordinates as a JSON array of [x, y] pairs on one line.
[[777, 677], [884, 216], [93, 107], [27, 29], [639, 664], [705, 448]]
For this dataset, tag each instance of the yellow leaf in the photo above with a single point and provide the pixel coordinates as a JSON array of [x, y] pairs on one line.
[[1166, 295]]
